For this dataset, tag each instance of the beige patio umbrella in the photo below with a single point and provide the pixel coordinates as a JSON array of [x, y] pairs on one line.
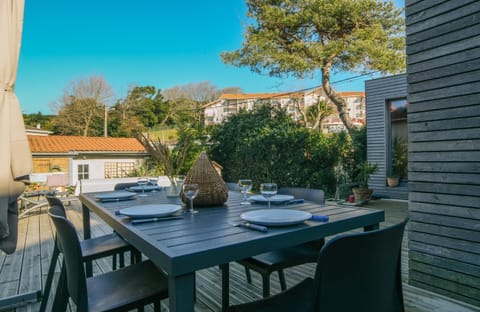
[[15, 155]]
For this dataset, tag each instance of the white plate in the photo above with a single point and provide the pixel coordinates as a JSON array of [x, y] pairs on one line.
[[120, 195], [279, 198], [147, 188], [276, 217], [150, 211]]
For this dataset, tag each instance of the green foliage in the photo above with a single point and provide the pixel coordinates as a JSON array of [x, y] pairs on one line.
[[299, 37], [45, 121], [305, 37], [400, 158], [266, 145], [364, 171], [148, 169], [352, 152]]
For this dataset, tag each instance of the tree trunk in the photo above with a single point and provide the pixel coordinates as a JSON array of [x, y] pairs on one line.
[[339, 102]]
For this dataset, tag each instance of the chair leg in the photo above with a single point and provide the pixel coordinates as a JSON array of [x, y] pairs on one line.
[[248, 275], [157, 305], [266, 285], [61, 295], [114, 262], [281, 277], [225, 269], [88, 268], [48, 282]]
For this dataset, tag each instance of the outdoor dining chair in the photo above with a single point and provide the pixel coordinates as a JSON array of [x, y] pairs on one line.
[[94, 248], [355, 272], [126, 185], [278, 260], [124, 289]]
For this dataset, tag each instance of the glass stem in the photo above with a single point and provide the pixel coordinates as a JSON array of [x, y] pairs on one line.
[[191, 205]]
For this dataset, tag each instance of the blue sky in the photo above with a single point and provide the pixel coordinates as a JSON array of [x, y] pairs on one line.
[[143, 42]]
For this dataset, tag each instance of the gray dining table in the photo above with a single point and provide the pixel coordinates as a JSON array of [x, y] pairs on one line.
[[182, 246]]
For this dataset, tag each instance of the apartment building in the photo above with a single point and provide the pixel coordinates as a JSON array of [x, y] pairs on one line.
[[294, 103]]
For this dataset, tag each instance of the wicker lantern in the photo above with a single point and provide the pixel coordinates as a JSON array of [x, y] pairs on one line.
[[212, 189]]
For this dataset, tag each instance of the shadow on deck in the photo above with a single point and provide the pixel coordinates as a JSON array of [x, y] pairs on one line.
[[25, 270]]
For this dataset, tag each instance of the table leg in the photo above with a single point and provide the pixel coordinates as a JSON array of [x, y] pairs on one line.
[[86, 222], [225, 268], [87, 235], [181, 292]]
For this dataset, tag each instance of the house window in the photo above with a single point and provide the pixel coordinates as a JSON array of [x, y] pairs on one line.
[[397, 138], [119, 169], [83, 172]]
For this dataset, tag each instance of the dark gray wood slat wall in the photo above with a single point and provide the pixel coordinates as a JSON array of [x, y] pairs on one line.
[[378, 92], [443, 76]]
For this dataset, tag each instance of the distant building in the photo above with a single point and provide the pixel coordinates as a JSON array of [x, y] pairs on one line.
[[226, 105], [85, 157], [37, 130]]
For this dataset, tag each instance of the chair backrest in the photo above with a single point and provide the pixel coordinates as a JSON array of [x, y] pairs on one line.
[[361, 272], [55, 201], [315, 195], [72, 253], [122, 186]]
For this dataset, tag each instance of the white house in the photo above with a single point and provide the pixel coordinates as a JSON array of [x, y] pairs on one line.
[[86, 157]]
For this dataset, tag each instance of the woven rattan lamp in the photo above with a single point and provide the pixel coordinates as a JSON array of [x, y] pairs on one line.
[[212, 189]]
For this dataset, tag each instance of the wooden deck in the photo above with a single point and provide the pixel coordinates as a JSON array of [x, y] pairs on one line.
[[25, 270]]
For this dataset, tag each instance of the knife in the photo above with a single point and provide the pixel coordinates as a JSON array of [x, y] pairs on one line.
[[137, 221], [247, 225]]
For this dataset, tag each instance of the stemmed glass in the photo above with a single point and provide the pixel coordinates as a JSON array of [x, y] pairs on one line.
[[245, 186], [268, 190], [190, 190], [142, 182]]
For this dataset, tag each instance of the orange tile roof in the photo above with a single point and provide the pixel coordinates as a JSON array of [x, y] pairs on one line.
[[65, 144], [352, 93]]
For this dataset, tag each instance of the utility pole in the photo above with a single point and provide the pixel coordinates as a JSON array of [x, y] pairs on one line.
[[105, 134]]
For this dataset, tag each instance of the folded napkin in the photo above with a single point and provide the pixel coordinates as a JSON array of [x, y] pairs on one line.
[[319, 218]]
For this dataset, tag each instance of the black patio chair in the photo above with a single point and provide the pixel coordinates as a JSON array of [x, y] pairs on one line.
[[121, 290], [355, 272], [122, 186], [267, 263], [94, 248]]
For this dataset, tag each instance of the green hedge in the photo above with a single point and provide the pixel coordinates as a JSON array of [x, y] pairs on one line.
[[266, 145]]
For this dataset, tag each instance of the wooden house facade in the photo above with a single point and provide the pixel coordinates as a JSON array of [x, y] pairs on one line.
[[381, 94], [443, 76]]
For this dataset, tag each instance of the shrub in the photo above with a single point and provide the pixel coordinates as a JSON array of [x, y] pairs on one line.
[[266, 145]]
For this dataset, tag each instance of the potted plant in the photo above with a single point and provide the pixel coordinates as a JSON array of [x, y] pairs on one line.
[[364, 171], [399, 162]]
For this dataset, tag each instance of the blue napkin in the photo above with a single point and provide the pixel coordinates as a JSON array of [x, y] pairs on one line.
[[319, 218]]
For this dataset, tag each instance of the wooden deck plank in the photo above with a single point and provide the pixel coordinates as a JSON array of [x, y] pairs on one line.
[[31, 274], [12, 266], [37, 229]]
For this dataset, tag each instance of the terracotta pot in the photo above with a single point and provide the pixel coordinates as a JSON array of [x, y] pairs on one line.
[[362, 194], [393, 181]]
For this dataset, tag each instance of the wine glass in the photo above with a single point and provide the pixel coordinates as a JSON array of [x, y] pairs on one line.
[[190, 190], [245, 186], [268, 190], [179, 179], [142, 182]]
